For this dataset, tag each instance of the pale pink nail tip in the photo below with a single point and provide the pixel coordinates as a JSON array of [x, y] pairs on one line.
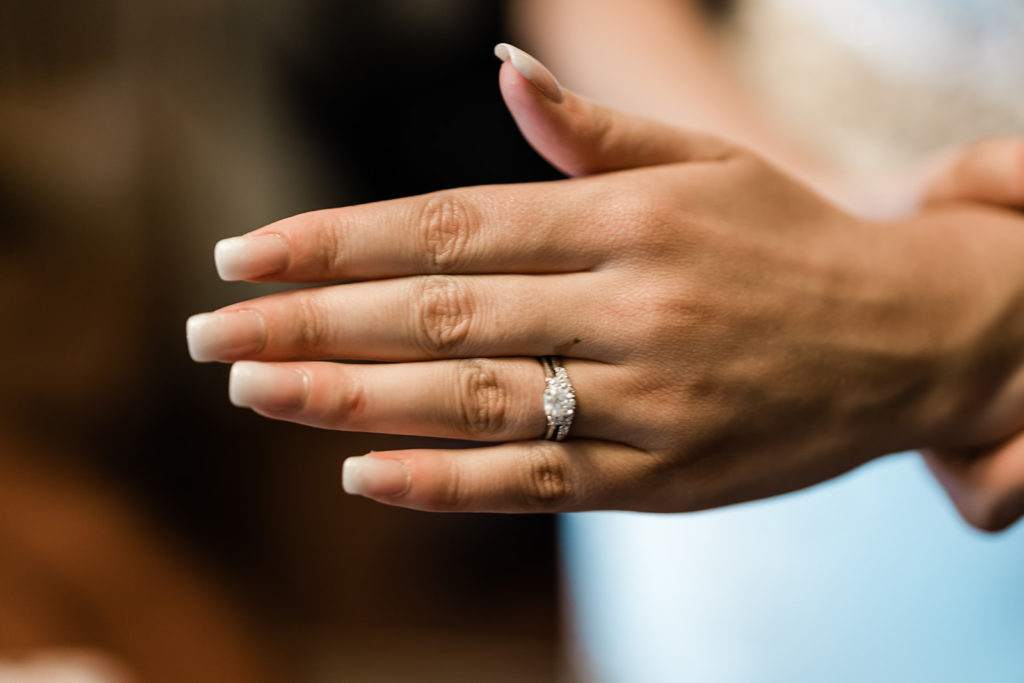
[[267, 387], [250, 256], [531, 69], [224, 336], [374, 477]]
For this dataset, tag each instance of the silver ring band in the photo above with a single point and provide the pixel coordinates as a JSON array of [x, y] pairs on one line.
[[559, 399]]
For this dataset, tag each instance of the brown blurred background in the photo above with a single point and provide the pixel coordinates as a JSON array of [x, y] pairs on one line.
[[143, 519]]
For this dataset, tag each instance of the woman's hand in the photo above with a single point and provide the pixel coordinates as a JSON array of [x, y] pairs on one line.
[[985, 483], [729, 334]]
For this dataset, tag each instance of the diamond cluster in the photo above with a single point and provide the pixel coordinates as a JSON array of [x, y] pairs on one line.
[[559, 401]]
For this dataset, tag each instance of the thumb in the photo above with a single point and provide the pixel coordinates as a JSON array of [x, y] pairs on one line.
[[580, 137]]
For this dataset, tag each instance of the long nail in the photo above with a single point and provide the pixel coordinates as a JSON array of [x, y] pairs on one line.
[[225, 336], [250, 256], [374, 477], [531, 69], [268, 387]]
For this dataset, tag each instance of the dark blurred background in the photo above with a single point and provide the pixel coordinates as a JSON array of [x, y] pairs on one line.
[[143, 520]]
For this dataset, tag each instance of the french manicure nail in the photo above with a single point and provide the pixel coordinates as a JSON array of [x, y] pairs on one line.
[[531, 69], [250, 256], [266, 386], [374, 477], [225, 336]]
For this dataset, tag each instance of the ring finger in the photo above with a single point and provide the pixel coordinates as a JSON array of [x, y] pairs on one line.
[[477, 399]]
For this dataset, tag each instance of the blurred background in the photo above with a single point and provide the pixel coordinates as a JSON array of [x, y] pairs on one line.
[[149, 532], [141, 516]]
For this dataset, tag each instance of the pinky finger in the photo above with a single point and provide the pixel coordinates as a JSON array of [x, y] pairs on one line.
[[522, 476]]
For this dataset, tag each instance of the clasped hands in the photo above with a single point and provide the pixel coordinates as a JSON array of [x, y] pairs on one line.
[[730, 334]]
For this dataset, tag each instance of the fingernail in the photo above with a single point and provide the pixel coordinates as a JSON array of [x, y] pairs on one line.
[[225, 336], [374, 477], [266, 386], [248, 257], [530, 69]]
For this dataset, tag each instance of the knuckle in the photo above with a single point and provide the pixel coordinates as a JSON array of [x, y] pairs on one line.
[[666, 312], [330, 247], [449, 495], [447, 220], [482, 406], [645, 214], [312, 333], [595, 133], [640, 222], [352, 405], [445, 314], [547, 483], [749, 172]]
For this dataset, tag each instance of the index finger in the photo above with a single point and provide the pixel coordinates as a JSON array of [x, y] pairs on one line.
[[526, 228]]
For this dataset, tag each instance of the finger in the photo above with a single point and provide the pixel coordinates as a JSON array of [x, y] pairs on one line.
[[991, 171], [529, 228], [415, 319], [477, 399], [986, 488], [580, 137], [524, 228], [524, 476]]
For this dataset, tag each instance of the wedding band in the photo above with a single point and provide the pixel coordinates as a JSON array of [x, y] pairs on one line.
[[559, 399]]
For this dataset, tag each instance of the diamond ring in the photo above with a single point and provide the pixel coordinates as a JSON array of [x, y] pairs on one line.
[[559, 399]]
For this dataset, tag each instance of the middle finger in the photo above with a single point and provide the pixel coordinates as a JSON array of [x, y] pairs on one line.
[[417, 318]]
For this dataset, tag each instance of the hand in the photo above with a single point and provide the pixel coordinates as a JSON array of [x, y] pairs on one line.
[[729, 334], [986, 484], [990, 172]]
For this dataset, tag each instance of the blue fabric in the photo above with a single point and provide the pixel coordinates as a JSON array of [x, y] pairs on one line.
[[871, 577]]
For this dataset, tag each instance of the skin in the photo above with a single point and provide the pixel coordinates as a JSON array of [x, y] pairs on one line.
[[730, 334], [663, 58], [986, 483]]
